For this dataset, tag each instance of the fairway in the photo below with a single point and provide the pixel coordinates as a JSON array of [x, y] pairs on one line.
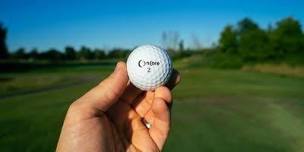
[[214, 110], [234, 72]]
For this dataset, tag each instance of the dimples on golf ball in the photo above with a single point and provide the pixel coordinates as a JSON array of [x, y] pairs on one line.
[[149, 67]]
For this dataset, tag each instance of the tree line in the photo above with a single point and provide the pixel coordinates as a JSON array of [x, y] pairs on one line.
[[250, 42], [69, 53]]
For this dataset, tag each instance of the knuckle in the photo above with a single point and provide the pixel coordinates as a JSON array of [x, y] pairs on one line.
[[74, 107]]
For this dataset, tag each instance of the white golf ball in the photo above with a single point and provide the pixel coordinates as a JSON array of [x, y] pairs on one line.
[[149, 67]]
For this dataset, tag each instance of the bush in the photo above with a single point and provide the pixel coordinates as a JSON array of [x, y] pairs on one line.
[[223, 61]]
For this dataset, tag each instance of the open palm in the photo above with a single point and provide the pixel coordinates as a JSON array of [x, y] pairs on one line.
[[116, 116]]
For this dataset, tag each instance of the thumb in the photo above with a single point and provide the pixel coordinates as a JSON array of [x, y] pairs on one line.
[[108, 91]]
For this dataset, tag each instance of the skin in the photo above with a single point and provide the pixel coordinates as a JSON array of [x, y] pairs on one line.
[[112, 117]]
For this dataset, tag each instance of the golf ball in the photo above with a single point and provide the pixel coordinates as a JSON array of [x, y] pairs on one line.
[[149, 67]]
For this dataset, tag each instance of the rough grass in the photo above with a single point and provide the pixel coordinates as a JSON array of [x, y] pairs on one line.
[[39, 79], [214, 110], [280, 69]]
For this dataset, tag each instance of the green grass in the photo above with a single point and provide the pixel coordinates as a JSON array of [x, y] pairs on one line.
[[228, 110], [17, 83], [214, 110]]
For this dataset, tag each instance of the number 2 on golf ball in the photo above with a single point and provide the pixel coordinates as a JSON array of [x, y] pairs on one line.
[[149, 67]]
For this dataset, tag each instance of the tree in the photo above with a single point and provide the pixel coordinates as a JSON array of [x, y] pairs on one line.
[[228, 40], [19, 54], [254, 45], [181, 46], [253, 42], [118, 53], [196, 43], [246, 25], [99, 54], [33, 54], [170, 40], [52, 55], [287, 37], [3, 47], [70, 53], [85, 53]]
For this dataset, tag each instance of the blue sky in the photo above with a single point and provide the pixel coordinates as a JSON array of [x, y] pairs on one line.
[[105, 24]]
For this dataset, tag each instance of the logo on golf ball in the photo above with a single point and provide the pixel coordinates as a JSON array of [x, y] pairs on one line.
[[142, 64]]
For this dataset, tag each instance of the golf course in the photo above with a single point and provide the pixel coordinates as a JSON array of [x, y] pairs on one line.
[[214, 110], [241, 66]]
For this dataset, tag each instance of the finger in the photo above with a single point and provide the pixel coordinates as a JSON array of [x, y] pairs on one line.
[[174, 79], [164, 93], [142, 104], [108, 91], [161, 122], [131, 93], [130, 126], [121, 115]]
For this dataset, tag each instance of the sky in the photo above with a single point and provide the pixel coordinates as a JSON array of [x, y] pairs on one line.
[[45, 24]]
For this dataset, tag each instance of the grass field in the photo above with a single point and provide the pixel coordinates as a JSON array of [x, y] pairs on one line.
[[214, 110]]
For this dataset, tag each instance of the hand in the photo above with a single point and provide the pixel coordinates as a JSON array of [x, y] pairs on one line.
[[116, 116]]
